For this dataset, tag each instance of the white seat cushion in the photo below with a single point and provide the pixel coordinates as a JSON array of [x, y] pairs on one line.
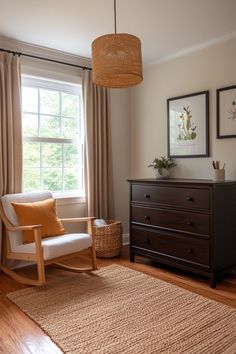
[[58, 246]]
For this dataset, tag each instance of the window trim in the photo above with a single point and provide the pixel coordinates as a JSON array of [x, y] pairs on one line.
[[34, 81], [65, 87]]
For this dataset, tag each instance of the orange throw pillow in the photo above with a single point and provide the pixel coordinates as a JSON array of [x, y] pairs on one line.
[[39, 213]]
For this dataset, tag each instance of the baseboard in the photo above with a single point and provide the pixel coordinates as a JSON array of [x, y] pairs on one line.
[[125, 239]]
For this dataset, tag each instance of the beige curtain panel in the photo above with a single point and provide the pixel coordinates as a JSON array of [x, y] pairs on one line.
[[98, 171], [10, 125]]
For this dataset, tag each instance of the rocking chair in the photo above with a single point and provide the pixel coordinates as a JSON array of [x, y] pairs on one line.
[[43, 251]]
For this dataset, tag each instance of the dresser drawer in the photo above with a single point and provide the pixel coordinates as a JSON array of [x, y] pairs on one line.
[[175, 220], [166, 244], [171, 196]]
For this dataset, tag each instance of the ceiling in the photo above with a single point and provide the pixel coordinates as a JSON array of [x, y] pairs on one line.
[[165, 27]]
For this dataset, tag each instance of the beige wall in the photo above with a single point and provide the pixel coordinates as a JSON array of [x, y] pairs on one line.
[[208, 69]]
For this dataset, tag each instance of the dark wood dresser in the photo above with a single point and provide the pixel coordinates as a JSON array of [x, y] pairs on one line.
[[189, 224]]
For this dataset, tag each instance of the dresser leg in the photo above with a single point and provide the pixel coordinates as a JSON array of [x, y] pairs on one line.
[[233, 271], [213, 281], [131, 257]]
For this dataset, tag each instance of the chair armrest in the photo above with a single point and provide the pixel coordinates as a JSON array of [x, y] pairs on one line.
[[72, 220], [22, 228], [35, 228], [89, 220]]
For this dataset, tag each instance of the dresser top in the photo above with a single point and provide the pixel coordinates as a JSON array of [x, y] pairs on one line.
[[180, 181]]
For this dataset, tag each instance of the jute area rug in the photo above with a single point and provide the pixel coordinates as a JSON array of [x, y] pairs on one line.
[[118, 310]]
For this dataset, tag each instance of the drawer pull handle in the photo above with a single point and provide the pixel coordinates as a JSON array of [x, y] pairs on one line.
[[146, 196], [189, 199], [147, 217], [190, 251], [147, 241], [189, 223]]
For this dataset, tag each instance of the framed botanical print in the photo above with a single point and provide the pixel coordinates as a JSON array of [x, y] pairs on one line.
[[188, 125], [226, 112]]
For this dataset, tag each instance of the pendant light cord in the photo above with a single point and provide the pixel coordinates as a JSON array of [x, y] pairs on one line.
[[115, 15]]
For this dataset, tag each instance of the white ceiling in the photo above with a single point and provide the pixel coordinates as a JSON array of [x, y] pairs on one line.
[[165, 27]]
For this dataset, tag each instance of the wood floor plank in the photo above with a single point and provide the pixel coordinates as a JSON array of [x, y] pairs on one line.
[[20, 335]]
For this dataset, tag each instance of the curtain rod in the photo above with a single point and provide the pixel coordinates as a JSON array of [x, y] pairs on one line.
[[42, 58]]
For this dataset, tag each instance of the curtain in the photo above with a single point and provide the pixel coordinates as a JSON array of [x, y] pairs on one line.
[[98, 171], [10, 125]]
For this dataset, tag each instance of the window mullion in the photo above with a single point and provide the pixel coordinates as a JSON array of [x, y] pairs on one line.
[[40, 144], [49, 140], [62, 145], [39, 111], [62, 167], [41, 166], [60, 107]]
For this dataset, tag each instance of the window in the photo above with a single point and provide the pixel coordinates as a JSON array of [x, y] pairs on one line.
[[53, 132]]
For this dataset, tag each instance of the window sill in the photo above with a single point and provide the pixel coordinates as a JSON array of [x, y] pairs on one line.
[[63, 199]]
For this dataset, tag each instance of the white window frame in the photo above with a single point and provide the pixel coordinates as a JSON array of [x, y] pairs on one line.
[[71, 88]]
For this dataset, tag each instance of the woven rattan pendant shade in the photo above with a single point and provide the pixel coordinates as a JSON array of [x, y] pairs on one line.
[[117, 60]]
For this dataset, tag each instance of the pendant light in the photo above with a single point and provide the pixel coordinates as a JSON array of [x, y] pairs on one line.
[[117, 59]]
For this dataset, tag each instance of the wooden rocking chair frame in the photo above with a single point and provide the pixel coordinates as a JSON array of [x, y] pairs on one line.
[[38, 255]]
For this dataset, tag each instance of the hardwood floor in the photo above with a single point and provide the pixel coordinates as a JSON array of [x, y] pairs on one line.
[[20, 335]]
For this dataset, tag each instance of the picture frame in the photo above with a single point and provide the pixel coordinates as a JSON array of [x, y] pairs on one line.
[[188, 125], [226, 112]]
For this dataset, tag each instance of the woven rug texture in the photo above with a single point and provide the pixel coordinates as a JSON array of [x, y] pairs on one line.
[[116, 310]]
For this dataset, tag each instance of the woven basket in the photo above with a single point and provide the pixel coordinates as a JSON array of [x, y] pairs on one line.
[[108, 239]]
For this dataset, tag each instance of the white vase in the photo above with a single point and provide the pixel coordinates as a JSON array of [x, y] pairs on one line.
[[165, 173]]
